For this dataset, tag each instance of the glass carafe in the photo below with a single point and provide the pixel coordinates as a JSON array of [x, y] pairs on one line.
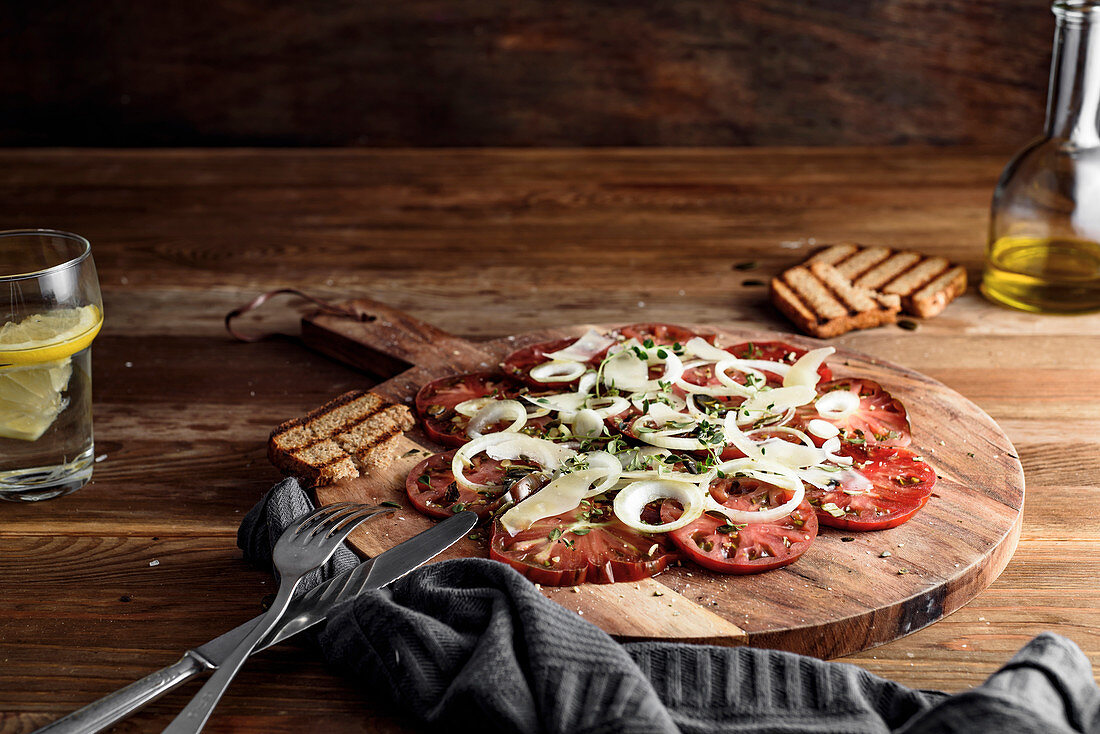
[[1044, 234]]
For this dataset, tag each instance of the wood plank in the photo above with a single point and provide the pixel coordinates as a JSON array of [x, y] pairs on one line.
[[520, 73]]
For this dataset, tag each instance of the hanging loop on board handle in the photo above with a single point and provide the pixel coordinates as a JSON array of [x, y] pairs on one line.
[[333, 309]]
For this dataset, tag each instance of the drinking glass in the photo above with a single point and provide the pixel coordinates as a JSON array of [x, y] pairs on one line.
[[50, 311]]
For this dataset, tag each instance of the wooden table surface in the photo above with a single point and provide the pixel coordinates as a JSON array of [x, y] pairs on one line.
[[480, 243]]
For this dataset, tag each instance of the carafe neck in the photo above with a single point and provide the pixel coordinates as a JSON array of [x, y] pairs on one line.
[[1073, 101]]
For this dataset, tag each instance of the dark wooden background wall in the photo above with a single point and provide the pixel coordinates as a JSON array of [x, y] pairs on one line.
[[521, 72]]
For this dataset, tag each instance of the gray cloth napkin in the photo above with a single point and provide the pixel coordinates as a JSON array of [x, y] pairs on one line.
[[473, 641]]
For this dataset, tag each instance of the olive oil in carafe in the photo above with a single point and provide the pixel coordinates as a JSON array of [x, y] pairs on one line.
[[1044, 274], [1043, 253]]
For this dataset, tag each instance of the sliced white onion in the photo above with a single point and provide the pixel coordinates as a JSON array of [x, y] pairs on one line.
[[674, 370], [768, 472], [560, 495], [716, 391], [585, 348], [727, 364], [469, 407], [630, 501], [804, 371], [802, 437], [587, 382], [837, 404], [587, 423], [736, 438], [558, 371], [607, 463], [831, 446], [779, 400], [825, 478], [609, 406], [494, 412], [626, 371], [566, 402], [662, 414], [674, 443], [822, 429], [671, 399], [703, 349], [500, 446], [791, 455]]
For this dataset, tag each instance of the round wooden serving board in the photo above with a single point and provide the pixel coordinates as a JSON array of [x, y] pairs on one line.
[[840, 597]]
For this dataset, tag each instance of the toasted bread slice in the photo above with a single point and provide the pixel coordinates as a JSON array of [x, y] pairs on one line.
[[925, 284], [357, 433], [822, 302]]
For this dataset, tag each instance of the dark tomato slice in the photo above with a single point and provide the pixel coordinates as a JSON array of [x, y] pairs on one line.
[[436, 401], [901, 485], [774, 352], [715, 543], [879, 420], [518, 364], [666, 334], [432, 488], [586, 544]]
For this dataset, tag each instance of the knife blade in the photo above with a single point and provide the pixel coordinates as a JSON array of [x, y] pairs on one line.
[[305, 612]]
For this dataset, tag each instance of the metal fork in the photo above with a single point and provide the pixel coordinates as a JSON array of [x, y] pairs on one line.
[[302, 547]]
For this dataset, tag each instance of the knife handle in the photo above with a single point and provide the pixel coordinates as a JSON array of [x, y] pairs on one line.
[[116, 706]]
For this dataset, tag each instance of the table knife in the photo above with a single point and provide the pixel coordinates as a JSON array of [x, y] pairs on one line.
[[306, 611]]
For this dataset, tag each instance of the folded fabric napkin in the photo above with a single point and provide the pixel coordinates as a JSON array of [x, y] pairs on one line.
[[472, 640]]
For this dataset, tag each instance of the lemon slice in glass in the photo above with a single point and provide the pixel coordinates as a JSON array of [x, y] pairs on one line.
[[30, 398], [48, 336], [35, 367]]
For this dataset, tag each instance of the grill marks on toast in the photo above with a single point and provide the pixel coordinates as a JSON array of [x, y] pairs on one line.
[[925, 285], [822, 302], [355, 433]]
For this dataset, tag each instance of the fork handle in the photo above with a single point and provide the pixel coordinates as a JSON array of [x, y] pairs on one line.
[[115, 707], [194, 716]]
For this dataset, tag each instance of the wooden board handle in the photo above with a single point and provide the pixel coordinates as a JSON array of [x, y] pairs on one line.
[[383, 340]]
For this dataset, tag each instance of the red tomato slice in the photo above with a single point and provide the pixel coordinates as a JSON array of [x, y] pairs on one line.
[[518, 364], [432, 488], [715, 543], [585, 544], [661, 334], [774, 352], [879, 420], [901, 485], [436, 401]]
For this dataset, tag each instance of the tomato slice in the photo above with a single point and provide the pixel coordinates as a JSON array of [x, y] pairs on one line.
[[661, 334], [715, 543], [586, 544], [432, 488], [436, 401], [901, 485], [880, 419], [518, 364], [775, 352]]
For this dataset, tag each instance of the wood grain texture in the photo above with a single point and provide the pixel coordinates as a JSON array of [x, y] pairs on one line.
[[837, 599], [481, 244], [523, 72]]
